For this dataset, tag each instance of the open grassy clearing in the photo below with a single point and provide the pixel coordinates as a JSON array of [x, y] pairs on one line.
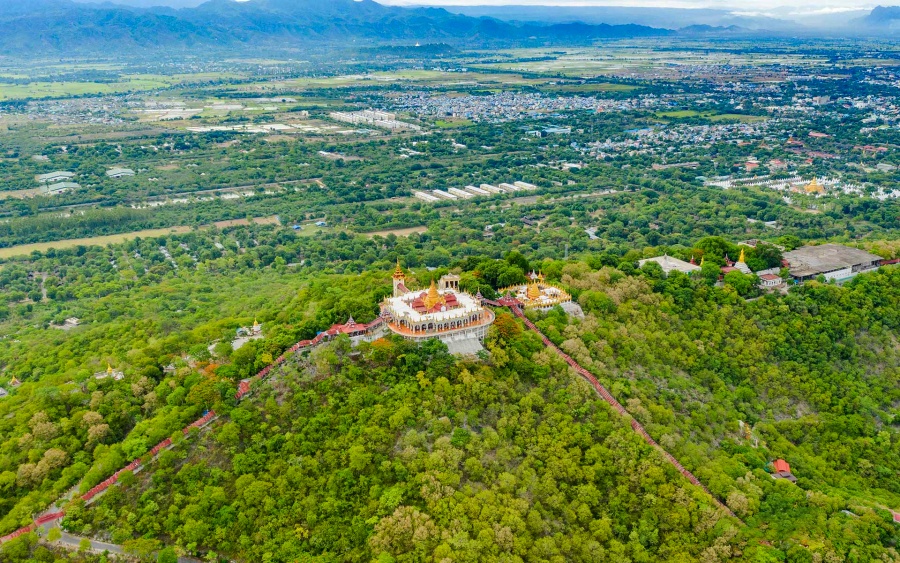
[[678, 113], [710, 116], [273, 220], [62, 89], [590, 88], [26, 249], [397, 232], [20, 194], [451, 123], [589, 62], [127, 83], [426, 77], [736, 117]]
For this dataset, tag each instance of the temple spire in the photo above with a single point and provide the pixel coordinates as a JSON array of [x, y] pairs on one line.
[[398, 272]]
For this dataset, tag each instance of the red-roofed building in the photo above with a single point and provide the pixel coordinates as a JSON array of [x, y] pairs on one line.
[[358, 332], [769, 280], [782, 471]]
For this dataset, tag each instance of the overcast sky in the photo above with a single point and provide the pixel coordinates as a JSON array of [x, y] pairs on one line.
[[737, 5]]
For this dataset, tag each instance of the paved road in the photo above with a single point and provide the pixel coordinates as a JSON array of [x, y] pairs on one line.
[[73, 543]]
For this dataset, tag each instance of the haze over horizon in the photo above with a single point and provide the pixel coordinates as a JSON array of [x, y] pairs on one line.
[[824, 6]]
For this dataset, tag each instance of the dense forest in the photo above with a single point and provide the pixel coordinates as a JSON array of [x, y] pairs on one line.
[[386, 451]]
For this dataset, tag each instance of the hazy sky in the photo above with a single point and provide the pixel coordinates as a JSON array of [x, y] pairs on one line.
[[737, 5]]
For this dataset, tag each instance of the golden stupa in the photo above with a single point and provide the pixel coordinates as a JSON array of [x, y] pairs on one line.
[[814, 187], [109, 369], [534, 291], [433, 297], [741, 259]]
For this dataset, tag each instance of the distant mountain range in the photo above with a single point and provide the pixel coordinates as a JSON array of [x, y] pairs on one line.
[[792, 18], [883, 17], [65, 26], [35, 26]]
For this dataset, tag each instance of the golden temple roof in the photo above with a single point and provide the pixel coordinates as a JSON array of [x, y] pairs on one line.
[[433, 297]]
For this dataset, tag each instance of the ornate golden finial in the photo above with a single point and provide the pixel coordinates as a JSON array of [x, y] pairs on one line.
[[255, 324], [109, 369], [433, 297], [741, 258], [541, 277], [533, 292], [398, 273]]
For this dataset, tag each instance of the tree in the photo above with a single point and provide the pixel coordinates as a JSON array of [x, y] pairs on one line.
[[710, 272], [742, 283], [167, 555]]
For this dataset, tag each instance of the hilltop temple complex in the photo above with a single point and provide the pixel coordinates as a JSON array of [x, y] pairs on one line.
[[442, 311], [541, 295]]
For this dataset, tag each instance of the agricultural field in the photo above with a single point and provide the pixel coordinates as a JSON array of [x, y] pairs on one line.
[[26, 249], [711, 116]]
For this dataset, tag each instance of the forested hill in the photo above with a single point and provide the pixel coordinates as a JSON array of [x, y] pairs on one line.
[[405, 453], [61, 25]]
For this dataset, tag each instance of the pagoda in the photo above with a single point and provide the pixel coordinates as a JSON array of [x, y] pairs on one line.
[[109, 373], [741, 264], [541, 295], [399, 281], [442, 311], [814, 187]]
